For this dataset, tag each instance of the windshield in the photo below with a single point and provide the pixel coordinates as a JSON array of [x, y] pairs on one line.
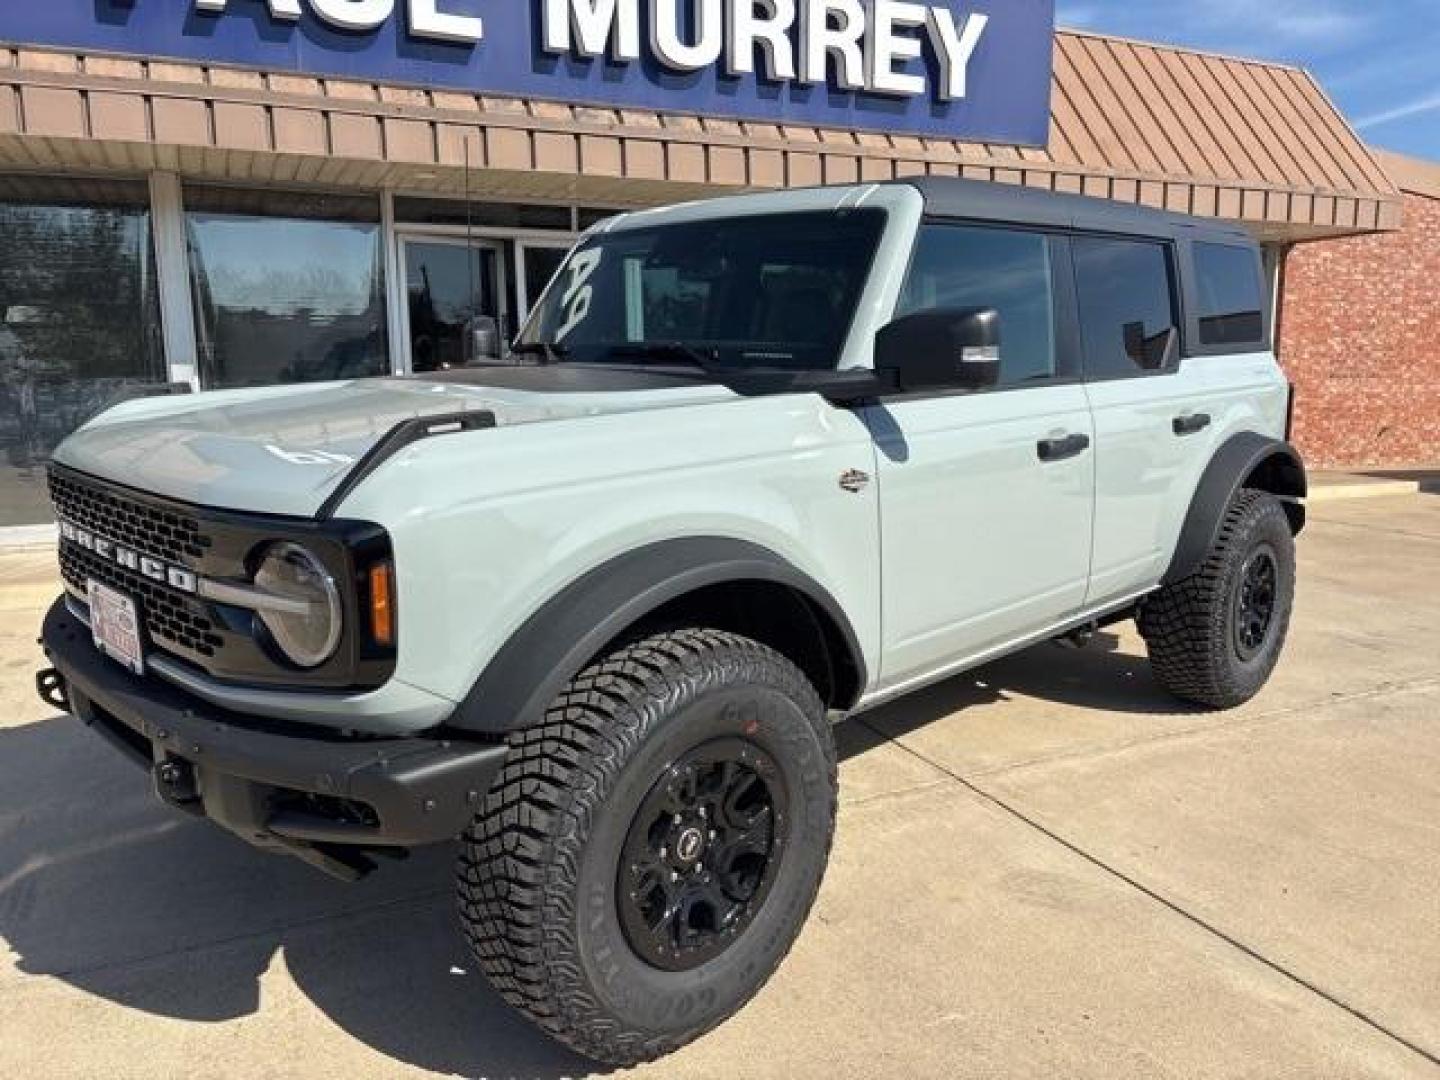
[[773, 291]]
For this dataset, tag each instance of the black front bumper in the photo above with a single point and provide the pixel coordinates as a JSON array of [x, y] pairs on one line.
[[303, 790]]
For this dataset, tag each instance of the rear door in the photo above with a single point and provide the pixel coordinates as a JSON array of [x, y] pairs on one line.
[[986, 498], [1154, 414]]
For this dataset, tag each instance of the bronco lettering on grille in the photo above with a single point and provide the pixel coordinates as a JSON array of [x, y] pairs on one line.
[[177, 577]]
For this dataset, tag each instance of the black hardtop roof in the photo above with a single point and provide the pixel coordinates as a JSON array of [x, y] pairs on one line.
[[977, 200]]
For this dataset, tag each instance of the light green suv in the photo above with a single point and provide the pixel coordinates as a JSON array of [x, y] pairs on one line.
[[754, 464]]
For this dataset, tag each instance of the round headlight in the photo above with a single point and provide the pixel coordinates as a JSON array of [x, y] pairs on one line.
[[306, 618]]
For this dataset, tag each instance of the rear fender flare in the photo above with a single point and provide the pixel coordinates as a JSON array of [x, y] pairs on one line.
[[1246, 459]]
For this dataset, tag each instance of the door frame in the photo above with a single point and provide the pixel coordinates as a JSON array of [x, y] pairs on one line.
[[523, 245], [400, 294]]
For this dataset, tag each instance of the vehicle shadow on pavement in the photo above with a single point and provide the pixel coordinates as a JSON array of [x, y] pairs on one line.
[[108, 891], [105, 889], [1100, 675]]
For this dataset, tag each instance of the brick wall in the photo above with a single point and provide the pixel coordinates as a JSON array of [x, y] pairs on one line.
[[1360, 338]]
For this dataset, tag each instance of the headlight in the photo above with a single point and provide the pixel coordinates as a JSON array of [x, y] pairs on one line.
[[305, 620]]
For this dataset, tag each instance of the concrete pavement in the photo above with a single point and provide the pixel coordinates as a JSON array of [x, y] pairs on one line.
[[1046, 868]]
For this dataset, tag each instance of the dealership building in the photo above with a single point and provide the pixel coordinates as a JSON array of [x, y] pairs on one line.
[[201, 195]]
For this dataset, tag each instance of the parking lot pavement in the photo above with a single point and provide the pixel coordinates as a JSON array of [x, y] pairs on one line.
[[1046, 868]]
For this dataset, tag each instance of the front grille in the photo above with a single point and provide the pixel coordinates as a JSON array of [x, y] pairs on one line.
[[215, 545], [172, 620], [163, 534]]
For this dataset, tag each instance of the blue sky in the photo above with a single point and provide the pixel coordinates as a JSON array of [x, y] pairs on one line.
[[1379, 59]]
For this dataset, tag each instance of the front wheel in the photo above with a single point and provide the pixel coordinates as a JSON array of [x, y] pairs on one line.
[[1216, 636], [653, 846]]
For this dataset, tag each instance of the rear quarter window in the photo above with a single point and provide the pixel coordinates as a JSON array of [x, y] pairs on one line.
[[1230, 294]]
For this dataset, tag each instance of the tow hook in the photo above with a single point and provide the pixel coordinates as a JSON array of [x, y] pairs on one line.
[[50, 685], [175, 783]]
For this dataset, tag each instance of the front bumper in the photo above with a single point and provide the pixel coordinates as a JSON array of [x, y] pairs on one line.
[[308, 792]]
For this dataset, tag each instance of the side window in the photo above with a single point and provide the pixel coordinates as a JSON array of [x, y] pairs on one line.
[[1231, 297], [961, 267], [1128, 313]]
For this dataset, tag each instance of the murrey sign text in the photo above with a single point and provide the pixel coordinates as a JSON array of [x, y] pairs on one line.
[[976, 70]]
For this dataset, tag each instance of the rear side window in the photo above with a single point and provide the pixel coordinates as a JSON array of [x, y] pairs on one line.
[[1231, 296], [1129, 317], [957, 266]]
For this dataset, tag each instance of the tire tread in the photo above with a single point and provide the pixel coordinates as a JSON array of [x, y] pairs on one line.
[[520, 858], [1184, 623]]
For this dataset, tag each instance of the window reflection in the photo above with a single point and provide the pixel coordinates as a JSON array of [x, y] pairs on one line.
[[1232, 300], [449, 287], [79, 320], [541, 263], [961, 267], [1126, 293], [288, 288]]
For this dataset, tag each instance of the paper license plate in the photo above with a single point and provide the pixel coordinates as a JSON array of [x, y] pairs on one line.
[[115, 622]]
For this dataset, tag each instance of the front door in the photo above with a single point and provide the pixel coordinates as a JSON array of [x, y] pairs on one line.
[[452, 287], [987, 498]]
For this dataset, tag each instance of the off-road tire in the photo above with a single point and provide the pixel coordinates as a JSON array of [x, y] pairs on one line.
[[1190, 625], [538, 873]]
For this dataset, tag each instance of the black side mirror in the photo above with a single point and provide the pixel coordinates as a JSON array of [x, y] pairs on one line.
[[941, 349]]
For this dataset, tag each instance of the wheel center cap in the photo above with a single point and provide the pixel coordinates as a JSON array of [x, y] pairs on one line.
[[689, 844]]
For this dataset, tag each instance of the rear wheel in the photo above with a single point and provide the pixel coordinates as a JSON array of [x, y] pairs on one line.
[[654, 845], [1216, 636]]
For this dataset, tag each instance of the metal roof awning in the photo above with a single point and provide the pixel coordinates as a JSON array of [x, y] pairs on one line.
[[1253, 142]]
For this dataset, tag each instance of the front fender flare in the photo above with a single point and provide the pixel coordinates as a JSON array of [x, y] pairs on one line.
[[572, 627], [1244, 457]]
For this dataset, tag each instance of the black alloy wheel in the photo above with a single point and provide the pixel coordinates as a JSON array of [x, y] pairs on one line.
[[701, 854], [1254, 603]]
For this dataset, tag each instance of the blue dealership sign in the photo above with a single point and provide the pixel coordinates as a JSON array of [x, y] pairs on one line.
[[977, 70]]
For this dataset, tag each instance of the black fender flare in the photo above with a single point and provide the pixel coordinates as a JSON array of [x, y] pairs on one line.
[[572, 627], [1272, 464]]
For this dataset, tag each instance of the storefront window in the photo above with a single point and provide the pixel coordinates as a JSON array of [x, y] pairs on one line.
[[449, 286], [589, 215], [540, 265], [482, 215], [289, 287], [79, 320]]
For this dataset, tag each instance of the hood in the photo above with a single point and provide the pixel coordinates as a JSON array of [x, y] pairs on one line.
[[284, 450]]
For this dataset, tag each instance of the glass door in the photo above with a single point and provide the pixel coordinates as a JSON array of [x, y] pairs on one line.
[[536, 263], [455, 310]]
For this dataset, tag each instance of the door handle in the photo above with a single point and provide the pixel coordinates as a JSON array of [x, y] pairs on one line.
[[1192, 424], [1069, 446]]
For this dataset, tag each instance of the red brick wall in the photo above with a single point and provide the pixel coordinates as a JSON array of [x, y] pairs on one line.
[[1360, 338]]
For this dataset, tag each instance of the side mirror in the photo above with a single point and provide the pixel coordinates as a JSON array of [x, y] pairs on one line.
[[941, 349], [482, 339]]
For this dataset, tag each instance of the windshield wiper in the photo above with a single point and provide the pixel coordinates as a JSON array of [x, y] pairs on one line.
[[550, 352], [665, 350]]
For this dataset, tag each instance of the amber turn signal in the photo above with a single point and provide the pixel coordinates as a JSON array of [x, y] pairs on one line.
[[382, 603]]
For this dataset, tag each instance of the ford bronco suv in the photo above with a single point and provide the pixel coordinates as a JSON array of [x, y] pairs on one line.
[[752, 465]]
